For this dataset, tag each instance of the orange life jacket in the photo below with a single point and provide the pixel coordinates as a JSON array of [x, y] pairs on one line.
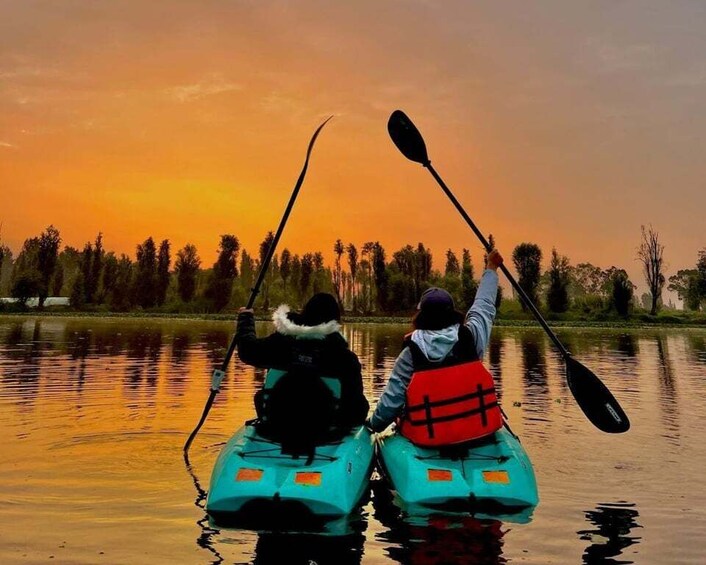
[[450, 402]]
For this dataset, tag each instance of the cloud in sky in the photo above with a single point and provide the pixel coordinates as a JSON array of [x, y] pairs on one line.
[[213, 84]]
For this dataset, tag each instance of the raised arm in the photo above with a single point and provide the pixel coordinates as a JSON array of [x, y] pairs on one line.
[[480, 316]]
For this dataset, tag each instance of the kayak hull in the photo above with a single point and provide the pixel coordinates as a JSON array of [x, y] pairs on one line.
[[253, 480], [494, 474]]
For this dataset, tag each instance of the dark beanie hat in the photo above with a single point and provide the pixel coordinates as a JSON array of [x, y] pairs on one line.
[[321, 308], [436, 310], [435, 297]]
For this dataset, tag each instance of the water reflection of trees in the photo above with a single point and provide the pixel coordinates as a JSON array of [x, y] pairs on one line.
[[611, 537], [178, 373], [23, 344], [668, 400], [534, 375], [495, 358], [696, 348], [144, 349], [627, 344], [377, 348]]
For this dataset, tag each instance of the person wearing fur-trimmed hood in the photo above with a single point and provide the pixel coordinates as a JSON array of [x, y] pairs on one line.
[[318, 324]]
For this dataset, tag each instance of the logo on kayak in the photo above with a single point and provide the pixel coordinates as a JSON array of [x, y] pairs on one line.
[[613, 413]]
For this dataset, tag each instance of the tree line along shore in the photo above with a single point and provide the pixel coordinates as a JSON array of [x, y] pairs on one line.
[[369, 283]]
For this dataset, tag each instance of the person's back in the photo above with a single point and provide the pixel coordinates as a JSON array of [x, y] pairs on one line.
[[438, 388], [314, 389]]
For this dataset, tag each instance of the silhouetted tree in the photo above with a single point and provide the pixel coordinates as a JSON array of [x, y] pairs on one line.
[[58, 281], [366, 276], [452, 266], [319, 275], [220, 285], [296, 276], [623, 291], [337, 278], [527, 258], [5, 265], [187, 268], [558, 292], [650, 253], [163, 262], [109, 278], [25, 286], [285, 267], [70, 262], [95, 265], [86, 273], [701, 269], [423, 261], [77, 298], [120, 297], [686, 284], [47, 258], [380, 276], [145, 282], [307, 270], [35, 265], [588, 279], [353, 268], [247, 271]]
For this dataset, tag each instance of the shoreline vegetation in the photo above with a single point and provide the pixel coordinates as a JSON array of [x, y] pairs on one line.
[[370, 284], [668, 320]]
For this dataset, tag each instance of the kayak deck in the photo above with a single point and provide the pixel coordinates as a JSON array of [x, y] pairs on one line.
[[252, 479], [493, 474]]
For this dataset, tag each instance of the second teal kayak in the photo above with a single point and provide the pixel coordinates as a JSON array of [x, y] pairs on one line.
[[494, 472]]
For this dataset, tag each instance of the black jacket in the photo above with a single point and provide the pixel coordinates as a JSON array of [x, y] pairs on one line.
[[333, 357]]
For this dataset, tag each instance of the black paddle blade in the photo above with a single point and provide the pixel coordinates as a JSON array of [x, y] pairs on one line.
[[594, 398], [407, 138]]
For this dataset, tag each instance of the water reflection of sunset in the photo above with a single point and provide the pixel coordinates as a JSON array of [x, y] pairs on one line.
[[96, 413]]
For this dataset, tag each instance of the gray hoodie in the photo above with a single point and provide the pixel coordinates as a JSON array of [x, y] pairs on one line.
[[436, 345]]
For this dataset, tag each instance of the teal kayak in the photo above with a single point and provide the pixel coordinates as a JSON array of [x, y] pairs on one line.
[[254, 483], [493, 473]]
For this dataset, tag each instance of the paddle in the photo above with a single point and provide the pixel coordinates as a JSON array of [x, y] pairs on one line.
[[592, 396], [219, 373]]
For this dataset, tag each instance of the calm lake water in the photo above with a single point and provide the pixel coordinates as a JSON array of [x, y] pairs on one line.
[[95, 413]]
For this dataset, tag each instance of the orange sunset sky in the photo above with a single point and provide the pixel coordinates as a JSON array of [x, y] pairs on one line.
[[567, 124]]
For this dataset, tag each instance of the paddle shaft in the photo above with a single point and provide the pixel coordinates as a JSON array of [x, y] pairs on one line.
[[526, 299], [219, 373]]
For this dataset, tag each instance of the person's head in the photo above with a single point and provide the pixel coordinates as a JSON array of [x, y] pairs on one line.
[[321, 308], [436, 310]]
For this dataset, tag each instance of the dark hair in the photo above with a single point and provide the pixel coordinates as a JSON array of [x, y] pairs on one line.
[[321, 308]]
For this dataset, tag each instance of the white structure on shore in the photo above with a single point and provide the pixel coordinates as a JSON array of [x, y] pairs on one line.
[[34, 302]]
